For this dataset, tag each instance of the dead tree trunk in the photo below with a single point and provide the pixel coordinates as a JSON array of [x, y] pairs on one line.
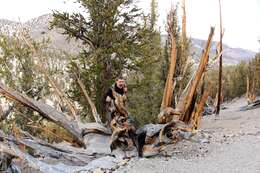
[[184, 48], [220, 64], [199, 111], [184, 23], [247, 87], [184, 105], [46, 111], [169, 86]]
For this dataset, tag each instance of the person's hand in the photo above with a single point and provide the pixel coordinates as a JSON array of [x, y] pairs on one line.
[[108, 99], [125, 89]]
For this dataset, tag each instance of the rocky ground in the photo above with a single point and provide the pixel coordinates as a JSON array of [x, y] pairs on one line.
[[227, 143]]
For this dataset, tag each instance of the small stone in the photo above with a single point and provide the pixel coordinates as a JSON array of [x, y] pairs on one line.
[[204, 140], [119, 153], [99, 170], [123, 162]]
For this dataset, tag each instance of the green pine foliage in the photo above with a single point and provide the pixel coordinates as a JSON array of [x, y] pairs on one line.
[[20, 56], [110, 33], [145, 84], [17, 70], [234, 81]]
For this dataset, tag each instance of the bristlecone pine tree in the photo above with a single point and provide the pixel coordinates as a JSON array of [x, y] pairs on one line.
[[111, 38]]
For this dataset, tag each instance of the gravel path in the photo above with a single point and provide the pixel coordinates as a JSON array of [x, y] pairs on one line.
[[231, 143]]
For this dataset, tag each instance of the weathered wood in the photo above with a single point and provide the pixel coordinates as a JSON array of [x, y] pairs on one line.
[[120, 104], [94, 128], [188, 114], [220, 64], [197, 115], [183, 28], [104, 162], [13, 150], [184, 48], [175, 127], [184, 104], [42, 149], [91, 104], [63, 157], [46, 111], [168, 90], [167, 114]]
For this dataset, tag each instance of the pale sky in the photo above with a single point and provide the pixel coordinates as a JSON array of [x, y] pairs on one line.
[[241, 18]]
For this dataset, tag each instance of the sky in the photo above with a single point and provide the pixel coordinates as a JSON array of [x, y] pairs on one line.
[[241, 18]]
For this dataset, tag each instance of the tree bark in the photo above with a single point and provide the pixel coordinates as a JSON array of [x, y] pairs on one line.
[[169, 86], [185, 104], [220, 64], [91, 104], [46, 111], [199, 111]]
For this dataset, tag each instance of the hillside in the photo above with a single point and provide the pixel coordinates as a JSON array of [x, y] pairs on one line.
[[231, 56], [39, 28]]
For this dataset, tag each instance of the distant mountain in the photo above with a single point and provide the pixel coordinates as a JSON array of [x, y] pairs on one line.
[[8, 26], [231, 56], [39, 29]]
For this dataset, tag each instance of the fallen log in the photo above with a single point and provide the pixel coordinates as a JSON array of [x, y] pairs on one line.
[[172, 130], [46, 111], [76, 129], [62, 157], [94, 128], [11, 149], [253, 105], [42, 149], [167, 114]]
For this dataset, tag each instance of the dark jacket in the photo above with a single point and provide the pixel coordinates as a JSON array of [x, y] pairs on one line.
[[109, 105], [116, 89]]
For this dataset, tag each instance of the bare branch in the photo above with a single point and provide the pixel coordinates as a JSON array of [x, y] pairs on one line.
[[86, 96]]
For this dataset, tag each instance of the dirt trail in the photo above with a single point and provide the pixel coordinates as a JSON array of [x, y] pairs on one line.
[[227, 143]]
